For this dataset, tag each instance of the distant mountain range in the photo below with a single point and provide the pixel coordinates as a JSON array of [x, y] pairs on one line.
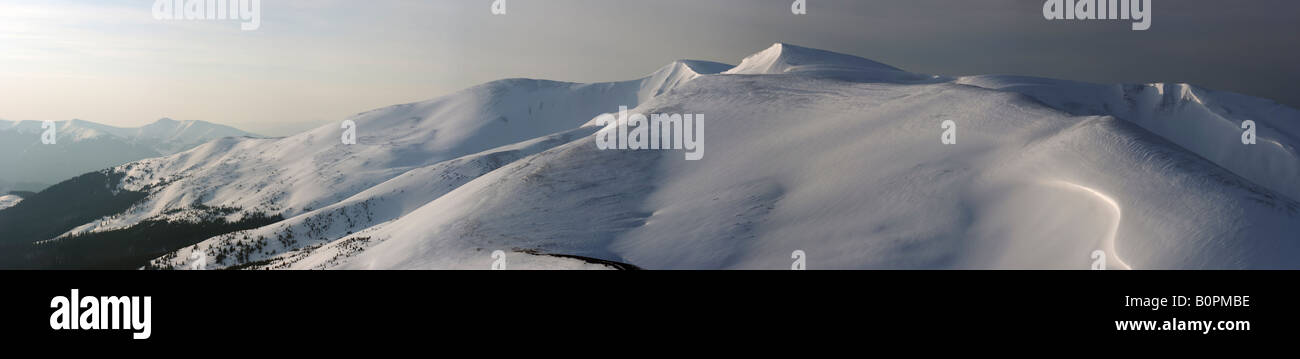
[[26, 164]]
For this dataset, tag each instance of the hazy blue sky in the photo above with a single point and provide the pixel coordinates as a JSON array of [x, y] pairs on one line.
[[314, 61]]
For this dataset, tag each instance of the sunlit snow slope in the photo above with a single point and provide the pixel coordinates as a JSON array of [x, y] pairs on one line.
[[805, 149]]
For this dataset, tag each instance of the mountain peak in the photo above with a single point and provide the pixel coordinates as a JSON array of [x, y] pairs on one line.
[[162, 124], [690, 68], [786, 58], [676, 74], [701, 67], [783, 58]]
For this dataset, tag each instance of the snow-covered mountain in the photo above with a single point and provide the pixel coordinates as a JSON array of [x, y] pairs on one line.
[[807, 150], [84, 146], [9, 200]]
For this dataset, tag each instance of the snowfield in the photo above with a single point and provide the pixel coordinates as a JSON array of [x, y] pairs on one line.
[[810, 150]]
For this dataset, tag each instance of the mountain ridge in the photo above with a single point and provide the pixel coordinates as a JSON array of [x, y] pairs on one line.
[[510, 165]]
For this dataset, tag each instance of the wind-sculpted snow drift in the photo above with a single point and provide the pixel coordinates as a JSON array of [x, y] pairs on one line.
[[834, 155]]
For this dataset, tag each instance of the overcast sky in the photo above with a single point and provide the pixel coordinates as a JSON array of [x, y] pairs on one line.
[[315, 61]]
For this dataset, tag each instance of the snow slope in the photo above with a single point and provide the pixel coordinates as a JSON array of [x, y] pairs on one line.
[[9, 200], [313, 170], [1196, 119], [1025, 187], [833, 155]]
